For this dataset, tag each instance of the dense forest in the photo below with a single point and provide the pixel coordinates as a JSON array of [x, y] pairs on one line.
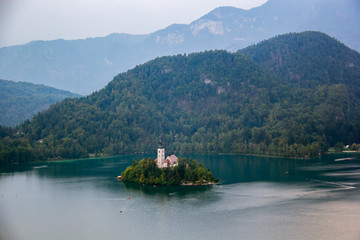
[[21, 100], [147, 172], [293, 95]]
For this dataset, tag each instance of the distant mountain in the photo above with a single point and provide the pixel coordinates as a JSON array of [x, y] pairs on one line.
[[298, 96], [83, 66], [20, 101]]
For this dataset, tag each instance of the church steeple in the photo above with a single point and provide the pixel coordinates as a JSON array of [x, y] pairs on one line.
[[161, 155], [161, 161], [160, 144]]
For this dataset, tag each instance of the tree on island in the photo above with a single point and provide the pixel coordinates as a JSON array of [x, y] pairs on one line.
[[147, 172]]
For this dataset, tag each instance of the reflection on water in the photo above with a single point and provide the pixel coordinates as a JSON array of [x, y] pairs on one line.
[[258, 198], [181, 191]]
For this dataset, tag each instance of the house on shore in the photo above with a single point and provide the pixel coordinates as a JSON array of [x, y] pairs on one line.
[[161, 161]]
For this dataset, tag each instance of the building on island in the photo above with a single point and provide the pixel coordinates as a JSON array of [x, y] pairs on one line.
[[161, 161]]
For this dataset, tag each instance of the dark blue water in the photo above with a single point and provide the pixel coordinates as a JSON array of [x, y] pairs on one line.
[[257, 198]]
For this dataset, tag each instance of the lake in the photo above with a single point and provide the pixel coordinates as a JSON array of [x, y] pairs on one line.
[[257, 198]]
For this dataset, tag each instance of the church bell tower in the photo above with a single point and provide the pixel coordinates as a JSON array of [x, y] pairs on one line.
[[160, 155]]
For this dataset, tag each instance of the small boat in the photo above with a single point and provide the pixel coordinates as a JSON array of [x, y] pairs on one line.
[[118, 177], [344, 159]]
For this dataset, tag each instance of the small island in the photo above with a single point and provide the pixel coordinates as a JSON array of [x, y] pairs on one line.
[[169, 171], [147, 172]]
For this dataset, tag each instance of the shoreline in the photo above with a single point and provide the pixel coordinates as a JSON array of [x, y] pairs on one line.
[[240, 154], [187, 184], [198, 184], [275, 156]]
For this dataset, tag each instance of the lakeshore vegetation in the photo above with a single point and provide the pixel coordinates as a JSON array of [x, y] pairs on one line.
[[147, 172], [295, 95]]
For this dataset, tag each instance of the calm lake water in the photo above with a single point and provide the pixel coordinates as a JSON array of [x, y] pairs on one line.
[[257, 198]]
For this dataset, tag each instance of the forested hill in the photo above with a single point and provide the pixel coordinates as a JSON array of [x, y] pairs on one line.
[[209, 102], [20, 101], [308, 60]]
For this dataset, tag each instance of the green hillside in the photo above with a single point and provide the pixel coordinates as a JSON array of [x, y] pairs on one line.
[[309, 60], [324, 76], [210, 102], [20, 100]]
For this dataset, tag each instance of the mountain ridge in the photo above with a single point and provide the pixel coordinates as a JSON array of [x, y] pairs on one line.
[[83, 66]]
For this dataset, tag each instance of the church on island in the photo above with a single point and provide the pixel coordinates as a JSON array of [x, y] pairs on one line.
[[170, 161]]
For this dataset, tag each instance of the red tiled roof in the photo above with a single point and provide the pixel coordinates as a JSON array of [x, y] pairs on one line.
[[173, 159]]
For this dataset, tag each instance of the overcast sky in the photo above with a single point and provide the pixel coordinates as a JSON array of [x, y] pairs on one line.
[[22, 21]]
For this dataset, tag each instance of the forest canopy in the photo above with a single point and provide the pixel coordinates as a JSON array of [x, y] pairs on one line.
[[21, 100]]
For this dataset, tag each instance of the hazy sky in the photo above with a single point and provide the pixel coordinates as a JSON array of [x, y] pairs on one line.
[[22, 21]]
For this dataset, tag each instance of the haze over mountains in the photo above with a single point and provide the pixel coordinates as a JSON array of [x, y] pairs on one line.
[[83, 66]]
